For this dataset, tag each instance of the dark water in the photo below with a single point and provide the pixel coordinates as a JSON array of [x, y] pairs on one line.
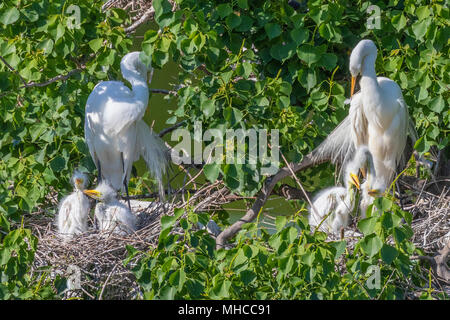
[[157, 115]]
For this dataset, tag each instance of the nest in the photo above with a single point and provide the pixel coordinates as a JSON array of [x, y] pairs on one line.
[[93, 262]]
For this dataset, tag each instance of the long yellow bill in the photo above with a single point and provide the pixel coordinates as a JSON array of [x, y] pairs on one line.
[[355, 180], [93, 193], [373, 192], [353, 86]]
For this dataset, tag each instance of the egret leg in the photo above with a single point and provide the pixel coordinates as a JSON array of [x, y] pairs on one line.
[[125, 181]]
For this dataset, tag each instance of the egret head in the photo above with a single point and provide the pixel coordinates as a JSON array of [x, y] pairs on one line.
[[103, 192], [362, 50], [79, 180], [361, 162], [131, 64], [376, 189]]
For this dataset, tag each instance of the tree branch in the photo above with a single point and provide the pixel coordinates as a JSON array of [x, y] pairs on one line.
[[54, 79], [145, 17], [262, 197]]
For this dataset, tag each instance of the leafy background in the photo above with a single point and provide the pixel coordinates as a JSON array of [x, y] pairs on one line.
[[244, 64]]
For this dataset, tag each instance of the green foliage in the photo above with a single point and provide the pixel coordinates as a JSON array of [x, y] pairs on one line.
[[16, 255], [244, 64], [292, 263], [41, 117], [43, 136], [293, 73]]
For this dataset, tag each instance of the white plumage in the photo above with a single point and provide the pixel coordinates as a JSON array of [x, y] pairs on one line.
[[111, 214], [115, 132], [73, 210], [378, 117], [378, 113], [370, 189], [338, 202]]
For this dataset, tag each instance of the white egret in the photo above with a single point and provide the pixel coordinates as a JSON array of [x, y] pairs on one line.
[[338, 202], [111, 214], [73, 210], [115, 132], [378, 118], [379, 114]]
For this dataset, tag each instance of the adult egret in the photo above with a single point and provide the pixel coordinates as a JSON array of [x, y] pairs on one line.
[[379, 114], [115, 132], [73, 210], [378, 118], [111, 214], [339, 202]]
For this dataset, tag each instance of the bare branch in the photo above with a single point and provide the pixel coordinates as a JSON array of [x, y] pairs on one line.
[[262, 197], [170, 129], [145, 17], [54, 79]]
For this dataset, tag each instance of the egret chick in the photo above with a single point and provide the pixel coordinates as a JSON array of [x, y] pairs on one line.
[[337, 202], [371, 189], [73, 210], [111, 214]]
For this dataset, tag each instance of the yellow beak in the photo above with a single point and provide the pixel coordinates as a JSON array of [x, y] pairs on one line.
[[373, 192], [355, 180], [93, 193], [353, 86]]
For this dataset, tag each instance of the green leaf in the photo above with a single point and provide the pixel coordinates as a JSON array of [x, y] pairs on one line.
[[420, 28], [58, 164], [367, 226], [233, 21], [340, 248], [247, 277], [224, 10], [399, 21], [9, 16], [46, 46], [309, 54], [161, 7], [243, 4], [328, 61], [299, 35], [96, 44], [388, 253], [437, 104], [212, 171], [371, 244], [208, 107], [280, 222], [232, 115], [273, 30]]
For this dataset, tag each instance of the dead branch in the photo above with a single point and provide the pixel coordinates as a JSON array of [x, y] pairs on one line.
[[144, 18], [262, 197]]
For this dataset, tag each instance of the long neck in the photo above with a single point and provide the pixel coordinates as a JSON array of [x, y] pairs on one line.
[[368, 74], [138, 85]]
